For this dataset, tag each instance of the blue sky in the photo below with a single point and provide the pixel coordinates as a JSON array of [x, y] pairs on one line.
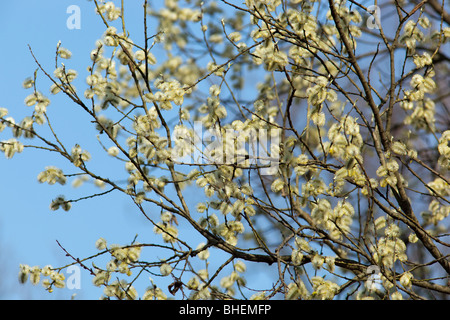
[[28, 229]]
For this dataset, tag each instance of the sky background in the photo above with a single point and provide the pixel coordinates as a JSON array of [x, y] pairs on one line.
[[28, 229]]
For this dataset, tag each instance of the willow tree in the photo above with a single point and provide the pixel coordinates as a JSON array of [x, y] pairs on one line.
[[313, 134]]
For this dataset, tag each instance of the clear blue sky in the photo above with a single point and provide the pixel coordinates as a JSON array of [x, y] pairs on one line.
[[28, 229]]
